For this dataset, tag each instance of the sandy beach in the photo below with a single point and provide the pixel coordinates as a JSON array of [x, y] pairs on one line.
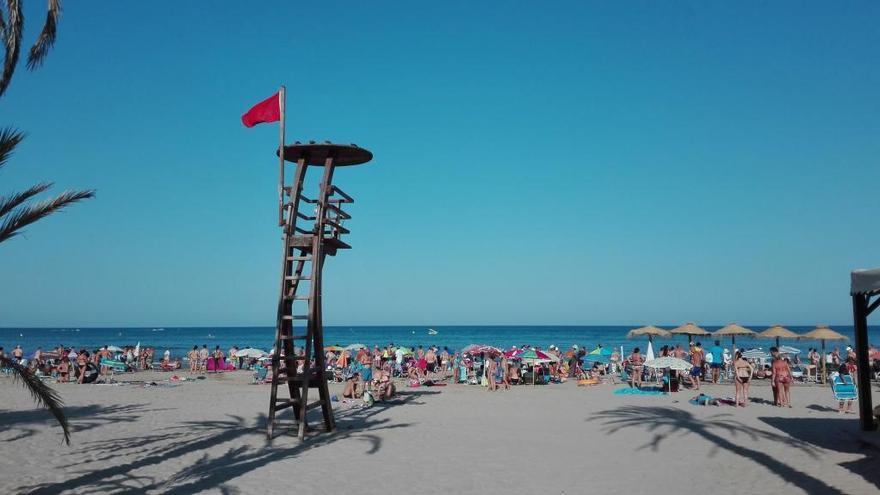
[[209, 436]]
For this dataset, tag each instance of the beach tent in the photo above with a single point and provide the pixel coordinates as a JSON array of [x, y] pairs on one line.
[[651, 331], [778, 332], [732, 330], [823, 333], [865, 287], [689, 329]]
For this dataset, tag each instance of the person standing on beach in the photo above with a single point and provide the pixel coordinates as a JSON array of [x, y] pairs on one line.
[[203, 358], [193, 357], [636, 360], [17, 354], [491, 369], [781, 378], [431, 360], [505, 372], [697, 362], [774, 355], [717, 361], [742, 374]]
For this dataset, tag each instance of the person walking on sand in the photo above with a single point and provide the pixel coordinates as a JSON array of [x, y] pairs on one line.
[[193, 356], [774, 355], [781, 377], [636, 360], [742, 374], [697, 362]]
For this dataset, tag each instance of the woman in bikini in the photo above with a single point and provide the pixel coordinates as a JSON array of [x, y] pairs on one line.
[[781, 379], [636, 360], [743, 371]]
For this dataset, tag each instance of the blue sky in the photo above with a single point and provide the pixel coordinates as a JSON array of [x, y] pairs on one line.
[[574, 163]]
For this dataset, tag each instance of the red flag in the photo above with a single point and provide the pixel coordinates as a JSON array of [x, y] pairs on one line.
[[268, 110]]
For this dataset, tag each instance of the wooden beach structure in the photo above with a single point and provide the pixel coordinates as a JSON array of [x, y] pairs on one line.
[[865, 292], [312, 230]]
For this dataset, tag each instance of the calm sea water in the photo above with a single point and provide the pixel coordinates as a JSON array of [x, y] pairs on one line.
[[179, 340]]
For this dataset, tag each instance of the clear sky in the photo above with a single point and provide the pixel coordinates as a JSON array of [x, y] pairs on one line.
[[535, 162]]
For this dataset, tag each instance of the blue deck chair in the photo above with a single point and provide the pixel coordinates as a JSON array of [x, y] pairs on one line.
[[843, 388]]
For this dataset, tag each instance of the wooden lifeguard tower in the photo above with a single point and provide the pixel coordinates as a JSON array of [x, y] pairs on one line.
[[313, 229]]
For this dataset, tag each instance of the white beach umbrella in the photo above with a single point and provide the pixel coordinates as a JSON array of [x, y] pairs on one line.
[[137, 349], [250, 352], [355, 347], [113, 348], [787, 349], [649, 355], [669, 362]]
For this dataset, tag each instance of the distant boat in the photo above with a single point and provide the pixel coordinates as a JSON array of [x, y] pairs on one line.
[[431, 331], [210, 335]]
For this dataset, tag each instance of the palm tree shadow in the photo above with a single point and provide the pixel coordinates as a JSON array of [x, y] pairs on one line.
[[249, 449], [665, 421]]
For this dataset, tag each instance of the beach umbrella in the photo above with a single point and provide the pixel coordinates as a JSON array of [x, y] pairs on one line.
[[669, 362], [406, 350], [689, 329], [778, 332], [787, 349], [649, 354], [355, 347], [334, 348], [250, 352], [468, 349], [823, 333], [651, 331], [533, 357], [113, 348], [732, 330], [137, 349], [490, 350], [755, 354]]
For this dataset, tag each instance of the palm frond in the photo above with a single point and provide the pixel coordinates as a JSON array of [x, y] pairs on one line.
[[11, 42], [17, 199], [22, 217], [9, 139], [47, 36], [44, 395]]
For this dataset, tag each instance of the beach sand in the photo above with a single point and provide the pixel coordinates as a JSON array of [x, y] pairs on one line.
[[209, 435]]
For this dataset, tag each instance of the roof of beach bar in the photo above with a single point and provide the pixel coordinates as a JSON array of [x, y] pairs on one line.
[[865, 282]]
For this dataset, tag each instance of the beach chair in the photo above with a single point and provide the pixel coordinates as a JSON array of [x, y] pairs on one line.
[[843, 388], [260, 373]]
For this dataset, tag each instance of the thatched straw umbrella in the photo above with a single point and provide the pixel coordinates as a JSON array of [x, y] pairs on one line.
[[689, 329], [651, 331], [778, 332], [823, 333], [733, 330]]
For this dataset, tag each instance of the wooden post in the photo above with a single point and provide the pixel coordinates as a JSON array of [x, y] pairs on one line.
[[281, 104], [860, 322]]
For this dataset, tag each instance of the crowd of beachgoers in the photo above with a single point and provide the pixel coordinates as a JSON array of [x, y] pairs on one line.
[[374, 371]]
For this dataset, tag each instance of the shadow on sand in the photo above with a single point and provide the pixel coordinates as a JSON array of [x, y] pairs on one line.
[[718, 429], [82, 418], [172, 443], [837, 434]]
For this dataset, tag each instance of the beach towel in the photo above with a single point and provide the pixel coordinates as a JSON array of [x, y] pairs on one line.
[[636, 391]]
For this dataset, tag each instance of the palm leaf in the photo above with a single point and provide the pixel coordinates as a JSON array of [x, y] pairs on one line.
[[17, 199], [47, 36], [43, 395], [12, 42], [22, 217], [9, 139]]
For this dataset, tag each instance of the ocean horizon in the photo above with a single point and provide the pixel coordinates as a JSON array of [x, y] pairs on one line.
[[179, 339]]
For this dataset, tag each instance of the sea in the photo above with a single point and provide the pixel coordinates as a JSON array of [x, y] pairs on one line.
[[180, 339]]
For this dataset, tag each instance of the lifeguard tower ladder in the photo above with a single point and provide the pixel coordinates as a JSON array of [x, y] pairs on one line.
[[312, 230]]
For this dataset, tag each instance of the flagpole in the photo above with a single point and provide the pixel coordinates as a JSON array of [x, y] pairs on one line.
[[281, 158]]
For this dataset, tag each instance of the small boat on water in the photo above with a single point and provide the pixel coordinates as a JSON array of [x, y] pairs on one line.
[[431, 331]]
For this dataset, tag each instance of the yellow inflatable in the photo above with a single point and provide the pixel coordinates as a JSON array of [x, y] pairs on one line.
[[588, 382]]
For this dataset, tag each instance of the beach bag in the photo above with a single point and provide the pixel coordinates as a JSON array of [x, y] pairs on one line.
[[368, 399]]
